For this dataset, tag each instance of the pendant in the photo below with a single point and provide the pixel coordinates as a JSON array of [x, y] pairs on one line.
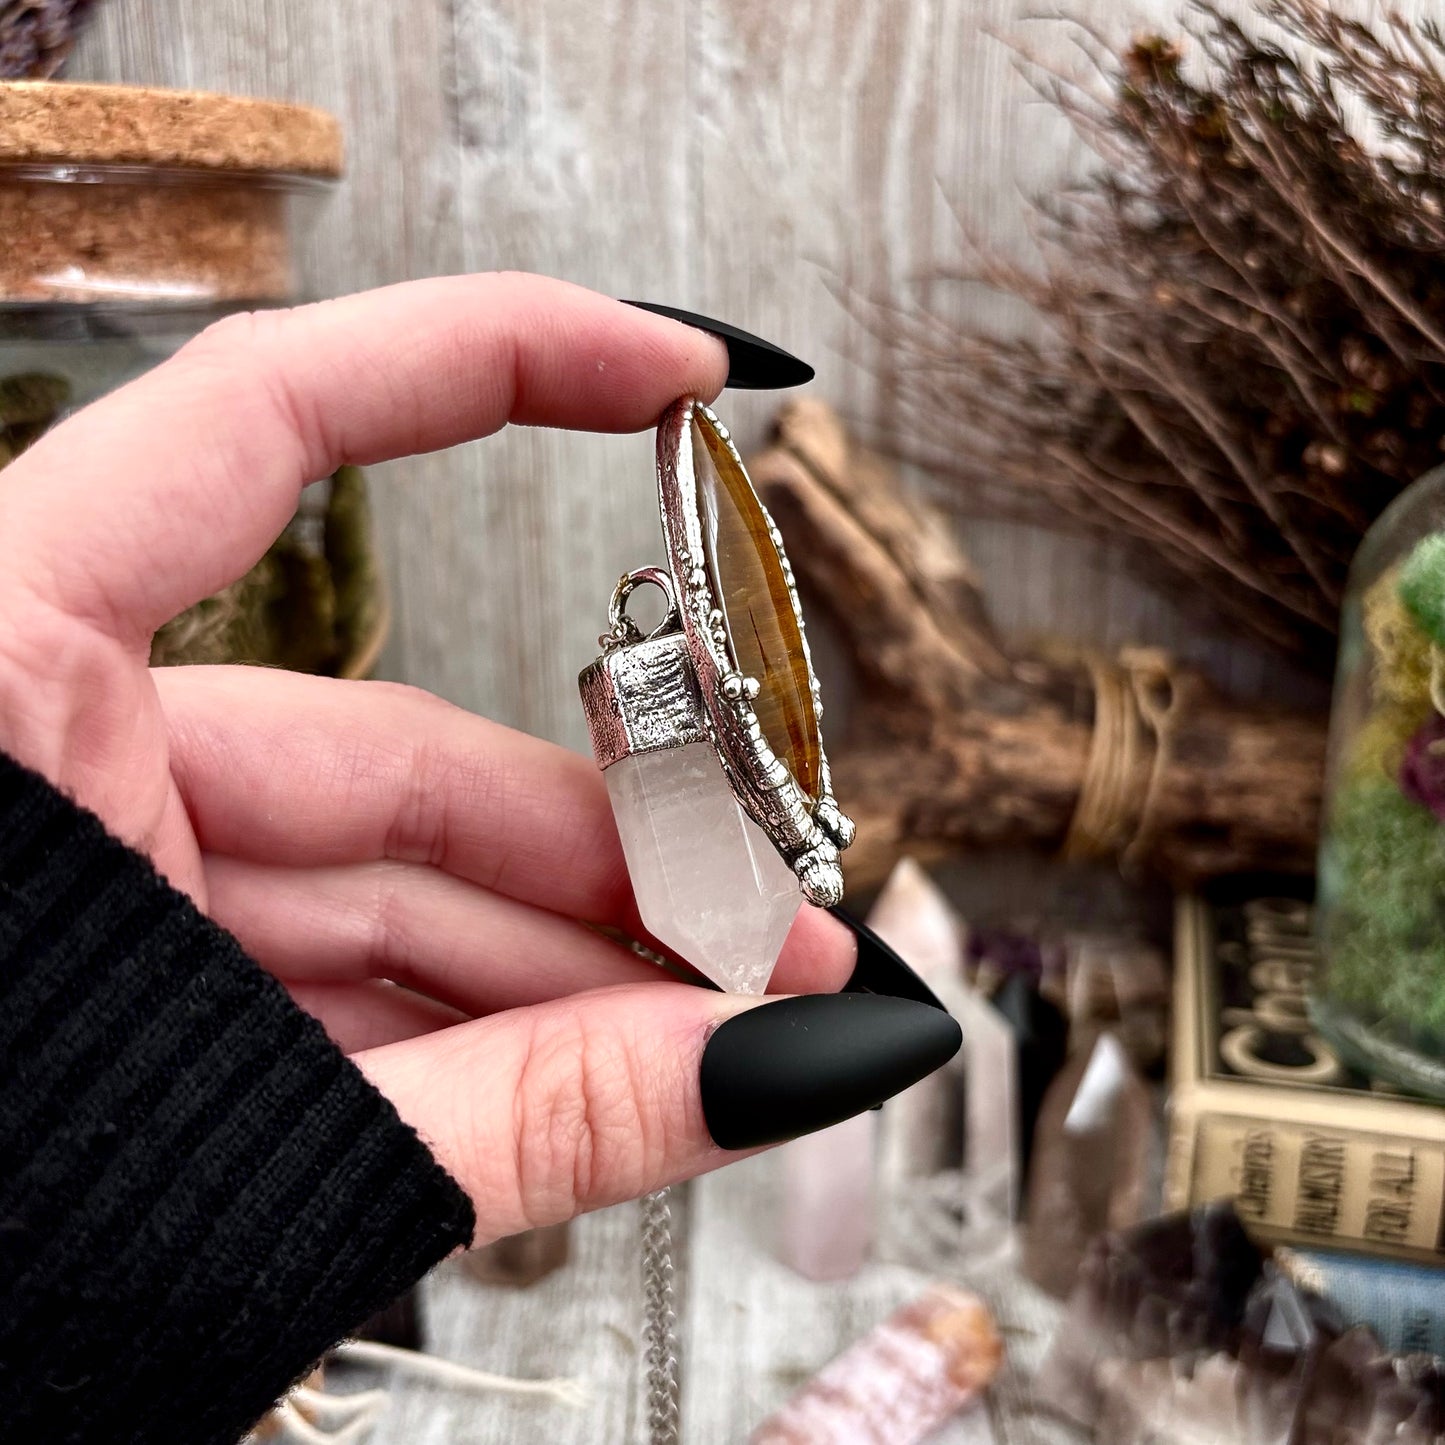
[[707, 727]]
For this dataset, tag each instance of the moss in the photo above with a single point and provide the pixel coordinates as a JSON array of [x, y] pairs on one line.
[[1383, 880], [1378, 749], [1422, 585], [1400, 648]]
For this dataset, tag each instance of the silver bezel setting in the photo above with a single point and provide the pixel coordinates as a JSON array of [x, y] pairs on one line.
[[683, 682]]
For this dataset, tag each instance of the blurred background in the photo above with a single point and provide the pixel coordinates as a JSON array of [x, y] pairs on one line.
[[779, 167]]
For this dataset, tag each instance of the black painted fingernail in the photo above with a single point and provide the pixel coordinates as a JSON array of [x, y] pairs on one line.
[[753, 364], [879, 969], [787, 1068]]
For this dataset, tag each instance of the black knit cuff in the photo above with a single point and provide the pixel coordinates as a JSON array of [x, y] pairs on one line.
[[199, 1194]]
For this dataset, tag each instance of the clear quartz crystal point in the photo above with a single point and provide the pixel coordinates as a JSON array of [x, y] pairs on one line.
[[709, 884]]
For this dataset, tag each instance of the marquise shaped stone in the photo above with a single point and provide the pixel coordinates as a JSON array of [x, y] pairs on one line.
[[750, 589]]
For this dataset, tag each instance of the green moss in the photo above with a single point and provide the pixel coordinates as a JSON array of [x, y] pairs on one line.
[[1400, 650], [1379, 747], [1422, 585], [1382, 878]]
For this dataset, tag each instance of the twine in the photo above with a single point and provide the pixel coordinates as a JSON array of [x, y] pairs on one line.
[[1135, 706], [308, 1416]]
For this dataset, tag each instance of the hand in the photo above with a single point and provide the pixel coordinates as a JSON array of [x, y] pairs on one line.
[[361, 836]]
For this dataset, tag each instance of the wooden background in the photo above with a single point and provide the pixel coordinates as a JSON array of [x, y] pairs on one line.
[[759, 161], [755, 161]]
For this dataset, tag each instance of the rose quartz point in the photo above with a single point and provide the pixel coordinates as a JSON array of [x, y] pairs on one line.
[[900, 1382]]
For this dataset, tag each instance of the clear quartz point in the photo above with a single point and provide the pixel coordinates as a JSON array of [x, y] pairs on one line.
[[709, 884]]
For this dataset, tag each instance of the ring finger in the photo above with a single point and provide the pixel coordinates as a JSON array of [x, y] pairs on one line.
[[441, 936]]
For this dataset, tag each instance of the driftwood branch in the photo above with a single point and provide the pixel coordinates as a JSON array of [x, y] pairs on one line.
[[957, 741]]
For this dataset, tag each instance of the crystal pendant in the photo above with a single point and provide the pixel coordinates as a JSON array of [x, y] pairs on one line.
[[707, 728]]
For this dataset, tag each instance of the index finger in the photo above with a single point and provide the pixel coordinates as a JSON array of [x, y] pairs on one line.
[[173, 486]]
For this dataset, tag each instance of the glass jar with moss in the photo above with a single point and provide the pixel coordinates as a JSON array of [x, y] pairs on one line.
[[131, 219], [1379, 996]]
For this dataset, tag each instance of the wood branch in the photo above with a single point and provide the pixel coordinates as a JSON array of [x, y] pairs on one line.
[[958, 742]]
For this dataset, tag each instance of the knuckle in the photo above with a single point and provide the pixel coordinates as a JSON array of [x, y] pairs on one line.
[[251, 346], [389, 948], [581, 1127], [237, 332]]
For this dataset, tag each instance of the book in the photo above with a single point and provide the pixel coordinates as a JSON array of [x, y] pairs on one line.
[[1264, 1113], [1404, 1304]]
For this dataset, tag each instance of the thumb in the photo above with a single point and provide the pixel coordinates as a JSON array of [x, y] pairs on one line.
[[545, 1112]]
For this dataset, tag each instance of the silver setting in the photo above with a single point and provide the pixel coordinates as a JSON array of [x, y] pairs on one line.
[[681, 683], [641, 696]]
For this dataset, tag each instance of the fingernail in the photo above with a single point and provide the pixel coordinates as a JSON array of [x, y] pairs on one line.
[[880, 970], [753, 364], [787, 1068]]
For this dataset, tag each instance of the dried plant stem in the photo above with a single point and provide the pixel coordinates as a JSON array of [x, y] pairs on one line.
[[1244, 309]]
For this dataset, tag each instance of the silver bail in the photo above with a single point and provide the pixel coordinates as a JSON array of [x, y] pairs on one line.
[[642, 693]]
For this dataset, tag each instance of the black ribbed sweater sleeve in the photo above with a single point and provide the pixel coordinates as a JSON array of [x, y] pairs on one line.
[[199, 1193]]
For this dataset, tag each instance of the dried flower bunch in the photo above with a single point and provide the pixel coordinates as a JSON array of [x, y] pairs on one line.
[[36, 35], [1244, 309]]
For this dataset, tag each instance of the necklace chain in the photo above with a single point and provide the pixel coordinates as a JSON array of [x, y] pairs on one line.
[[660, 1321]]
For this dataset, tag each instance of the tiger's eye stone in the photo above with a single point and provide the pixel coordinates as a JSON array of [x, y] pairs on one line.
[[751, 590]]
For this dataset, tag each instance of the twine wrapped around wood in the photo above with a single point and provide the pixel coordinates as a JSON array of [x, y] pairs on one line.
[[1134, 704], [956, 741]]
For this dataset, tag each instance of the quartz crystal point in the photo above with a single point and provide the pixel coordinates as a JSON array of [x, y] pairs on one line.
[[828, 1211], [1090, 1161], [900, 1382], [923, 1127], [709, 884]]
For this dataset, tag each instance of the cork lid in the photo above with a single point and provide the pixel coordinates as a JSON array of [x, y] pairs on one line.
[[49, 122]]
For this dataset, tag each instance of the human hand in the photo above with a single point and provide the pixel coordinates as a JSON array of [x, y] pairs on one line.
[[360, 836]]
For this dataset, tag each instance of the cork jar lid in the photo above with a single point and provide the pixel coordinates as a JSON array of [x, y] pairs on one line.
[[61, 123]]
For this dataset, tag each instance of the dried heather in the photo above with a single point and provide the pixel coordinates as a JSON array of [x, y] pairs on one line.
[[1243, 309], [36, 35]]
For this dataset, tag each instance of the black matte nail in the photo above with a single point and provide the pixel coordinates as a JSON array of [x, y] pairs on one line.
[[787, 1068], [879, 969], [753, 364]]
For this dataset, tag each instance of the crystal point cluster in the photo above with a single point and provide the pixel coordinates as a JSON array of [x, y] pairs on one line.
[[1181, 1331]]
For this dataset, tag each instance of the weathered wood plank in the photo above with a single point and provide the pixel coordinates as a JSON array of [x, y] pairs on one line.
[[581, 1322]]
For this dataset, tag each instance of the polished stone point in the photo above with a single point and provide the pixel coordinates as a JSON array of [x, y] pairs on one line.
[[709, 884], [751, 592], [900, 1382]]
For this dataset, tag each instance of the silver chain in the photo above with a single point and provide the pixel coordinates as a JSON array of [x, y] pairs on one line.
[[659, 1321]]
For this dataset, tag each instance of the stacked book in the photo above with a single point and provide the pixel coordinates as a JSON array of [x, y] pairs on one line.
[[1347, 1176]]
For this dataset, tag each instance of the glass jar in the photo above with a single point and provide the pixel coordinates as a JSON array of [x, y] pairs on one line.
[[1379, 995], [132, 218]]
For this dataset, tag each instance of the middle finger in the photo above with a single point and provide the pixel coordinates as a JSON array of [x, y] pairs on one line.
[[276, 767]]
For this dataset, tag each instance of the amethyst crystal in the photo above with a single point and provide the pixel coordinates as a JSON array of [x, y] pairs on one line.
[[36, 35]]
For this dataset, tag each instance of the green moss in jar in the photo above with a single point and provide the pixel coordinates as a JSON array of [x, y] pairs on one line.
[[1380, 994]]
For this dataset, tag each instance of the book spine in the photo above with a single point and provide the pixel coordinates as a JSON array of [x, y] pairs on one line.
[[1311, 1181], [1404, 1304]]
